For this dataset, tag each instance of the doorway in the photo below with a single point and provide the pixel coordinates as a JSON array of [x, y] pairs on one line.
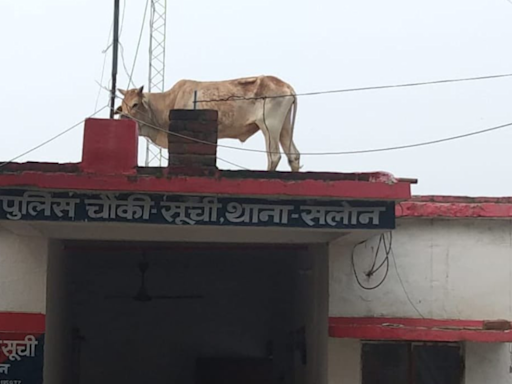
[[252, 311]]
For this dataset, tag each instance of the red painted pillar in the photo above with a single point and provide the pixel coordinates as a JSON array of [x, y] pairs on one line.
[[110, 146]]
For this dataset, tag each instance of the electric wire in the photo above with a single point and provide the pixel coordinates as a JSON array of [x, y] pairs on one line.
[[104, 65], [121, 26], [123, 61], [403, 286], [363, 151], [138, 43], [223, 160], [51, 139], [234, 164], [371, 88], [370, 273], [387, 249], [337, 153]]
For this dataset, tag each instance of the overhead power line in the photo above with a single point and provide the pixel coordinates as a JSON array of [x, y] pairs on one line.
[[231, 163], [51, 139], [104, 64], [138, 42], [359, 89], [123, 61], [372, 88], [414, 145], [121, 26], [262, 151], [165, 157], [335, 153]]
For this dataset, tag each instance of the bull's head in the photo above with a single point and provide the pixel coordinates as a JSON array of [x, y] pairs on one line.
[[133, 105]]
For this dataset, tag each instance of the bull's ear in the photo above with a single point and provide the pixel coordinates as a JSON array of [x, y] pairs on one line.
[[140, 90], [118, 110], [121, 91]]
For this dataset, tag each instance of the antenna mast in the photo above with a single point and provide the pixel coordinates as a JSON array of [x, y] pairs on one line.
[[156, 83], [115, 49]]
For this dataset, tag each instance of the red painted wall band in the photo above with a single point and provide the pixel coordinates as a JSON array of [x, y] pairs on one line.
[[20, 322], [415, 330]]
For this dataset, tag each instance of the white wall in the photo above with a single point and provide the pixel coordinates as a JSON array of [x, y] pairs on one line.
[[22, 273], [450, 269]]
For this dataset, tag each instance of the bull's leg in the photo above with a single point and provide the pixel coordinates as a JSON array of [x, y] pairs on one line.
[[272, 144], [271, 124], [289, 148]]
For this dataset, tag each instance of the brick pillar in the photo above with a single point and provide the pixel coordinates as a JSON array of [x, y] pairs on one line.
[[193, 140]]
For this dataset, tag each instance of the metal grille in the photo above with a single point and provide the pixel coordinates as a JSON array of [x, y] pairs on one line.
[[157, 30]]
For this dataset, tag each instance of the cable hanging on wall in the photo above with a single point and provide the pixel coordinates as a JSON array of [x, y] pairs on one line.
[[387, 244]]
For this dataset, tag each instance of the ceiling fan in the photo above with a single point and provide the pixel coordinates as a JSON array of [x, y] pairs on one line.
[[142, 294]]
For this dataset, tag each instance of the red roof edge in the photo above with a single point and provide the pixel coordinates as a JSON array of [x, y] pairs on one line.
[[455, 207], [219, 184], [407, 329]]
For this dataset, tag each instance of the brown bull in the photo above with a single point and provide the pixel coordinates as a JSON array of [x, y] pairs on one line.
[[245, 106]]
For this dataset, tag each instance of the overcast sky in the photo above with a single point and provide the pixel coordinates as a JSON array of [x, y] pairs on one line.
[[52, 58]]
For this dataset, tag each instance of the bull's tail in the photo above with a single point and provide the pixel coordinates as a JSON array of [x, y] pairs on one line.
[[293, 116], [294, 105]]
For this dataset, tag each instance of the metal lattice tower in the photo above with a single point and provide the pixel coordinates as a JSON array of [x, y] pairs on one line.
[[156, 83]]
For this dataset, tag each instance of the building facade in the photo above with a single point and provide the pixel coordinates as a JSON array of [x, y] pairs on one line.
[[436, 317], [110, 272]]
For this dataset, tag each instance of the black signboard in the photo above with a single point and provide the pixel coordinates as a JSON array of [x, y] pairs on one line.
[[170, 209], [21, 358]]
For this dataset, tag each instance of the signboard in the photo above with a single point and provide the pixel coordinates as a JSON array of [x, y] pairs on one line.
[[16, 204], [21, 358]]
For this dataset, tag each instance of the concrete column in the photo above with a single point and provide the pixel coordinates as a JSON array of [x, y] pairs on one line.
[[344, 361], [22, 273], [58, 367]]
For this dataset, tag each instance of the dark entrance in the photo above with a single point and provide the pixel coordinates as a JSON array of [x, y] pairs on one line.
[[412, 363], [262, 315]]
